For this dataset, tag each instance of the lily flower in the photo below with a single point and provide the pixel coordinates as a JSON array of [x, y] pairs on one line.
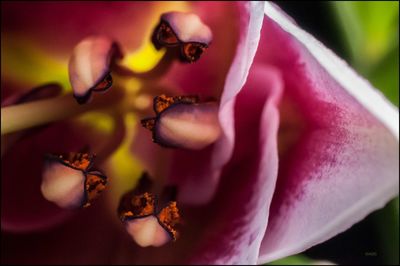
[[271, 142]]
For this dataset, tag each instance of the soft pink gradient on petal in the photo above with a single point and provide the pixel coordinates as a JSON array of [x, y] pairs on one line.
[[369, 97], [198, 187], [342, 165], [248, 180]]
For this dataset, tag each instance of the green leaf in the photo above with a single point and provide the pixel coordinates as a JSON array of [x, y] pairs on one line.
[[370, 30], [387, 223], [385, 76], [298, 260]]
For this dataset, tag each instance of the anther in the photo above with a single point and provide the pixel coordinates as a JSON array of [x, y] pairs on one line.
[[89, 66], [185, 31], [145, 223], [183, 122], [68, 181]]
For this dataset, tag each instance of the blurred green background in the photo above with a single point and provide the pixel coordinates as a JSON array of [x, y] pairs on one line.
[[366, 35]]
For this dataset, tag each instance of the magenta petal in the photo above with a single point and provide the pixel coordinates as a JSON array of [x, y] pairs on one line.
[[241, 205], [345, 163], [211, 160]]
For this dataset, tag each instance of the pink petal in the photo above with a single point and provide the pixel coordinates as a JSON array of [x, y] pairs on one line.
[[240, 206], [342, 163], [229, 229], [198, 187]]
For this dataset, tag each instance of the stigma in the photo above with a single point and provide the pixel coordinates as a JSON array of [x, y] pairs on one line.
[[183, 122], [69, 182]]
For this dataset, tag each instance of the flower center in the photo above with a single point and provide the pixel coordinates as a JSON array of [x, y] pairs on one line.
[[70, 181]]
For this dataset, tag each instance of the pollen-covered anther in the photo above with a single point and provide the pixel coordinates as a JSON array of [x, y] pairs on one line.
[[184, 122], [169, 217], [144, 224], [68, 183], [95, 184], [185, 30], [136, 206], [78, 160], [89, 66]]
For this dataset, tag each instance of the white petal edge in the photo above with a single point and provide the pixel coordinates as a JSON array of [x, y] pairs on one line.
[[234, 82], [236, 79], [372, 99]]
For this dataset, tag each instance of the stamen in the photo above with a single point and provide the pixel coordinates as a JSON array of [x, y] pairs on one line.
[[169, 217], [49, 90], [184, 30], [136, 206], [192, 51], [81, 161], [89, 66], [183, 34], [148, 123], [105, 84], [146, 225], [147, 231], [183, 122], [44, 91], [26, 115], [63, 185], [162, 102], [68, 183], [94, 186], [164, 36]]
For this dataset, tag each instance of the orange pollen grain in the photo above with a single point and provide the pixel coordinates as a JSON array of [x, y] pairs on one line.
[[79, 160], [166, 34], [94, 186], [169, 217], [162, 102], [148, 201]]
